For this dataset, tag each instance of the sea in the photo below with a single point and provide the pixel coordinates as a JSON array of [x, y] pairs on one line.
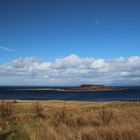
[[54, 93]]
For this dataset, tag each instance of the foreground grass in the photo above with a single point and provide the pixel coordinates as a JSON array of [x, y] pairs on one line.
[[59, 120]]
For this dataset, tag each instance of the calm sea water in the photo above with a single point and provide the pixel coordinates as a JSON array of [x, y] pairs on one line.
[[132, 93]]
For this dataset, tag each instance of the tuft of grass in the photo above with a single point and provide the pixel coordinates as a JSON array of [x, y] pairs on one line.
[[42, 132]]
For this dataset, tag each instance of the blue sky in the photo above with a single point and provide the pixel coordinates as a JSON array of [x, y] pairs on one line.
[[52, 29], [55, 28]]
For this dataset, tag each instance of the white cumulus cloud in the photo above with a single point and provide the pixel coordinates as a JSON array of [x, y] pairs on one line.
[[71, 70]]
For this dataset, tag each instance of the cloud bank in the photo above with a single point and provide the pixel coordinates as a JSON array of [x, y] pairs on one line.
[[71, 70]]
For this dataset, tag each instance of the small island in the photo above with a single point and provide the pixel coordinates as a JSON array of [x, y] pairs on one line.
[[85, 87]]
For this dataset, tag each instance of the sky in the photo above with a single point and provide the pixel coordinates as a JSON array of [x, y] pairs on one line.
[[69, 42]]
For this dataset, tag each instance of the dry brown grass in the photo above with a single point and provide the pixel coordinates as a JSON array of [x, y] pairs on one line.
[[105, 116], [78, 120], [38, 110], [6, 113]]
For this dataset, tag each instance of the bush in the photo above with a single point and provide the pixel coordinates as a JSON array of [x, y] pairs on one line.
[[62, 114], [6, 113], [105, 116], [38, 110], [7, 119], [6, 109]]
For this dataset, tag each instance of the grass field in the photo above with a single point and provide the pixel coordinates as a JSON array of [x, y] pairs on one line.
[[69, 120]]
